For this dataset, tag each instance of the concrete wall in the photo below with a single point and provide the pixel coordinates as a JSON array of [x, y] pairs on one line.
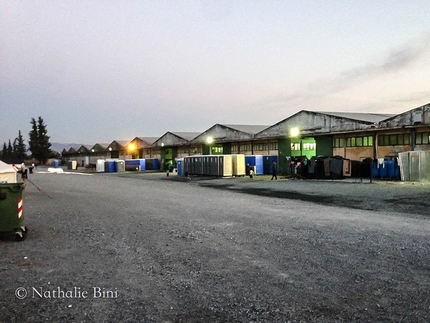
[[414, 117], [312, 123]]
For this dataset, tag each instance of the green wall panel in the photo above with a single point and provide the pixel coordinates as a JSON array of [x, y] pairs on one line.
[[324, 145], [284, 151]]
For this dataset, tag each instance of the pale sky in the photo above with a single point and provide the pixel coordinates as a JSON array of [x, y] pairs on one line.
[[98, 71]]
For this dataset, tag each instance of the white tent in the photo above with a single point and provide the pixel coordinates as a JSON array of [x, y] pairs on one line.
[[7, 173]]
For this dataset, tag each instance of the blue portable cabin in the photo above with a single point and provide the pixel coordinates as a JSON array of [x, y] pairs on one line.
[[135, 165], [375, 169], [179, 165], [152, 164], [156, 163], [268, 163], [257, 161], [110, 166]]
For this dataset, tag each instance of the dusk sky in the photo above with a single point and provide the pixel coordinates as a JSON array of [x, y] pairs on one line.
[[98, 71]]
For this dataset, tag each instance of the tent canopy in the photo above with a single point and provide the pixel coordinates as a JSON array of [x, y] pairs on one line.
[[7, 173]]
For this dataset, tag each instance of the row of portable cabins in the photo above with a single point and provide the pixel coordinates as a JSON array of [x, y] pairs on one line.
[[338, 167], [118, 165], [225, 165]]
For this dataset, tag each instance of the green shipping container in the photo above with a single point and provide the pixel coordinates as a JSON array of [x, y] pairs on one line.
[[11, 210]]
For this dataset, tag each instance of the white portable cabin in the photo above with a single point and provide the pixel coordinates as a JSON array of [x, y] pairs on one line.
[[239, 167], [100, 166]]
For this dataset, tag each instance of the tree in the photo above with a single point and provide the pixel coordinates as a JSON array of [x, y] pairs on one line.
[[4, 151], [9, 151], [19, 147], [39, 141]]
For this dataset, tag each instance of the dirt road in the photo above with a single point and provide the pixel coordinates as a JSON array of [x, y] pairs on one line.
[[146, 248]]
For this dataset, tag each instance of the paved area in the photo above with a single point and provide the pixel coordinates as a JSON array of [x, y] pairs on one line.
[[151, 248]]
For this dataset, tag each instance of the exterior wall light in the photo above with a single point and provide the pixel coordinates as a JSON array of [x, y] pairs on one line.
[[294, 132]]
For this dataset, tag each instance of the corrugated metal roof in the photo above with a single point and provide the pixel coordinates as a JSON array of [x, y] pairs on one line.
[[122, 142], [148, 140], [103, 145], [251, 129], [185, 135], [367, 117]]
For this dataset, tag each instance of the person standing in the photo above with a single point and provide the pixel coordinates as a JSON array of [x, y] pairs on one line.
[[274, 171], [24, 173]]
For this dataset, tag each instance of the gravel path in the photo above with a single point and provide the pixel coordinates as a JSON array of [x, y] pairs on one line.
[[151, 248]]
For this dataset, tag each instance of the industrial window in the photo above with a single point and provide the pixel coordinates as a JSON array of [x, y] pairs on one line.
[[338, 142], [309, 146], [262, 146], [422, 138], [406, 139], [273, 145], [393, 140], [342, 142], [217, 150], [235, 147], [362, 141], [386, 141], [366, 141], [245, 147], [295, 146]]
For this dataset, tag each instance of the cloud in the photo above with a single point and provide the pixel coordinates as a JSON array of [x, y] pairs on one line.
[[416, 96], [398, 59]]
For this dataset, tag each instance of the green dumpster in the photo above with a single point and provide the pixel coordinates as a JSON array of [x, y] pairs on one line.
[[11, 210]]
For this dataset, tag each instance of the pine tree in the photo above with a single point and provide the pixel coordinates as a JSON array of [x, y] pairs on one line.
[[4, 152], [33, 141], [9, 151], [19, 147], [39, 141], [45, 145]]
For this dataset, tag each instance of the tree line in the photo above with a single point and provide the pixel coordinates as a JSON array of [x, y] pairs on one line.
[[38, 145]]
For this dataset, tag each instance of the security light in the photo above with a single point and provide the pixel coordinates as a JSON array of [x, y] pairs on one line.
[[294, 132]]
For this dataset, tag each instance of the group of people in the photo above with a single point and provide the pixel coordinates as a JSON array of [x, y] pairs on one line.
[[274, 171]]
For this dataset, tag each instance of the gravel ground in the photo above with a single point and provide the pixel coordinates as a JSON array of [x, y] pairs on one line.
[[150, 248]]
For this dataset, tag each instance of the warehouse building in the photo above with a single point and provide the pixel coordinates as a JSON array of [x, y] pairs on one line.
[[173, 145], [306, 134], [227, 139], [141, 147]]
